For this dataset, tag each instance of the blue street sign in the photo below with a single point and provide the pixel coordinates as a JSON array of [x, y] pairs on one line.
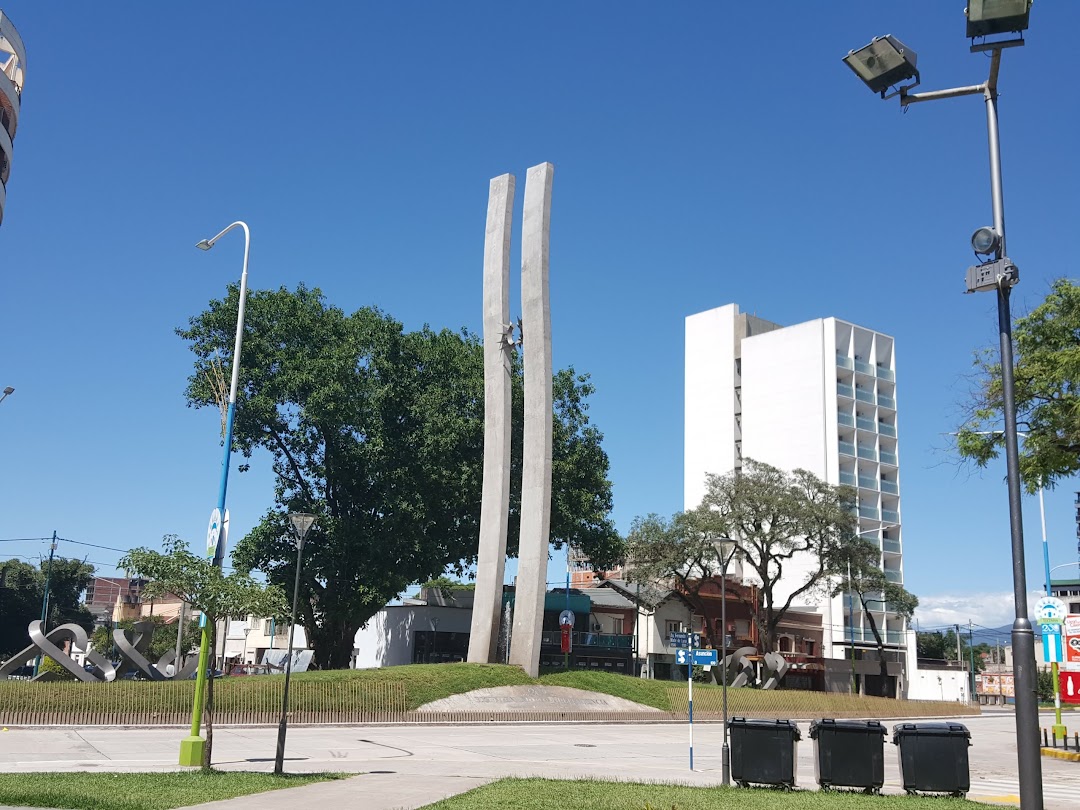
[[683, 640], [699, 657], [1050, 628]]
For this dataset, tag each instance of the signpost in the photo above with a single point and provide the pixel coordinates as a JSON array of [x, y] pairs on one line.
[[689, 656], [1051, 613], [697, 658], [684, 640]]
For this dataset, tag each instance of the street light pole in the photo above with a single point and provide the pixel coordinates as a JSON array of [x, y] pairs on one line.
[[192, 747], [45, 601], [726, 549], [302, 524], [999, 275], [8, 391]]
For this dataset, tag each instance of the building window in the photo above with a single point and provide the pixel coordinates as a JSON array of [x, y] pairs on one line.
[[672, 627]]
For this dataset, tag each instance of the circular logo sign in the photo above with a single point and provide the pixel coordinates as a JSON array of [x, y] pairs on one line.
[[1050, 609], [566, 618]]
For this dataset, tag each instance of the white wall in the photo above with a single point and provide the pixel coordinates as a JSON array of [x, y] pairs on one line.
[[709, 428], [938, 684], [387, 639]]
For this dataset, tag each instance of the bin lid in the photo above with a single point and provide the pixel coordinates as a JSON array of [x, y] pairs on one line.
[[771, 725], [861, 726], [930, 730]]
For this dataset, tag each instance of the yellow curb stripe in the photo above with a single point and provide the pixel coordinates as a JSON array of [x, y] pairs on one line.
[[1054, 753]]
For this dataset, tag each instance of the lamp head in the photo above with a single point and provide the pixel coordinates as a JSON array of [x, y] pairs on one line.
[[8, 391], [301, 522], [985, 241], [205, 244], [987, 17], [886, 61]]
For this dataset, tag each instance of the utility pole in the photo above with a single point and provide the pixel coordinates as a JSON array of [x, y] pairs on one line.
[[45, 601], [179, 639], [959, 651], [971, 654]]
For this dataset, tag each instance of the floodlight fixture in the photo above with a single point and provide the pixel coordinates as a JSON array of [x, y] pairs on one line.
[[8, 390], [885, 62], [205, 244], [989, 17], [985, 241]]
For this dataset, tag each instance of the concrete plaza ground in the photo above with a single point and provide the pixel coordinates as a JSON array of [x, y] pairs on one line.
[[410, 766]]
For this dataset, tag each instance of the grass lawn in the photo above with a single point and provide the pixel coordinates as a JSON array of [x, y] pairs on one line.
[[550, 794], [140, 791]]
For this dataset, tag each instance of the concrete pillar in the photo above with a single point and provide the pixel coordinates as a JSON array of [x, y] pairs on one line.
[[536, 444], [495, 500]]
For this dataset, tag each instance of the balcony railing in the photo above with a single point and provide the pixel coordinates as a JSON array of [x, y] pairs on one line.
[[868, 453], [845, 390], [847, 478], [847, 448], [890, 545], [888, 458], [864, 368], [891, 487], [844, 361], [865, 395], [845, 419], [894, 637], [886, 402], [890, 516], [893, 576], [886, 429], [867, 483], [885, 374], [863, 423], [868, 512], [616, 641]]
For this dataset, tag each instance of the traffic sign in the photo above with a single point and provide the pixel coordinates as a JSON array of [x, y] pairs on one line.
[[699, 657], [566, 618], [684, 640]]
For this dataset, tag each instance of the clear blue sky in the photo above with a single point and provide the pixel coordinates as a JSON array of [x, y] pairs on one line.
[[704, 154]]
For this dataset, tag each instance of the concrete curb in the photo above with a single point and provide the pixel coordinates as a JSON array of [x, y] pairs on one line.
[[1057, 753]]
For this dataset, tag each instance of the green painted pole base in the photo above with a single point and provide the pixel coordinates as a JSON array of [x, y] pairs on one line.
[[191, 751], [1059, 731]]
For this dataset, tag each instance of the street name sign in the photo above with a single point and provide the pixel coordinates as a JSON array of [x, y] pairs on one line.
[[684, 639], [699, 657]]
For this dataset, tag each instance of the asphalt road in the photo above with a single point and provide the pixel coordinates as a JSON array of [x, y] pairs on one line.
[[409, 766]]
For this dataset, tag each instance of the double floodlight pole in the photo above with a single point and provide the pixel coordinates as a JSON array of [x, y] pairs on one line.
[[885, 63]]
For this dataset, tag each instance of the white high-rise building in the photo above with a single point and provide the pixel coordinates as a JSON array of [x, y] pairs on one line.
[[820, 396], [12, 73]]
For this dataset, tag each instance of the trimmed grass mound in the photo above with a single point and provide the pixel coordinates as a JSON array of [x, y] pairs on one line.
[[385, 695], [553, 794], [141, 791]]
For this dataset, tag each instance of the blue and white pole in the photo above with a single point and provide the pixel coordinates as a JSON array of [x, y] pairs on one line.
[[192, 747], [690, 691]]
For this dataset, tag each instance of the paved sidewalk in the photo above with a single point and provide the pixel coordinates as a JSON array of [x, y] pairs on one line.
[[372, 791]]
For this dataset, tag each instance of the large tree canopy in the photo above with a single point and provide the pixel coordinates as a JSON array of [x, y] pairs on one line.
[[22, 588], [786, 526], [1047, 362], [380, 432]]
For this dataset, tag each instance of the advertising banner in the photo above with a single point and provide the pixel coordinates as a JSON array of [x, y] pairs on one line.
[[1071, 646]]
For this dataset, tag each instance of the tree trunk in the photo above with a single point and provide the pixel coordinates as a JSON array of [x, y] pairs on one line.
[[208, 751], [332, 642], [880, 650]]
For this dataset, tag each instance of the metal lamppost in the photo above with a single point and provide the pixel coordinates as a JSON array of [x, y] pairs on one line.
[[884, 64], [726, 549], [8, 391], [302, 523], [192, 747]]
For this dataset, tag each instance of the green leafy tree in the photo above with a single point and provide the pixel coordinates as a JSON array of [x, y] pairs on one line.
[[380, 432], [22, 588], [865, 581], [204, 586], [162, 641], [773, 517], [934, 645], [1047, 362]]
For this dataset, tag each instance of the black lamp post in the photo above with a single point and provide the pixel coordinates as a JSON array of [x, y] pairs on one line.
[[302, 524]]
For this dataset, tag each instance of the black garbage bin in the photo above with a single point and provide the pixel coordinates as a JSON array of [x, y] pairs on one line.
[[763, 751], [934, 757], [849, 753]]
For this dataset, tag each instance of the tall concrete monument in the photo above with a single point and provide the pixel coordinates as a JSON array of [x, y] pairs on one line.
[[536, 473]]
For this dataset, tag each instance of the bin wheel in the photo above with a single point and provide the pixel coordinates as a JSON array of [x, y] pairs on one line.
[[825, 785], [872, 791], [742, 784], [911, 792], [958, 794]]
